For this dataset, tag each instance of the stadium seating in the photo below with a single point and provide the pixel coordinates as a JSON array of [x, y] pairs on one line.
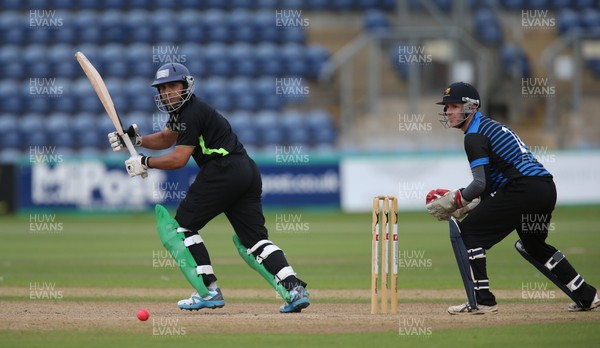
[[233, 48]]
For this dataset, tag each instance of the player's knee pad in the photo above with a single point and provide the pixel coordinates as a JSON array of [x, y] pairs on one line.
[[256, 263], [173, 238]]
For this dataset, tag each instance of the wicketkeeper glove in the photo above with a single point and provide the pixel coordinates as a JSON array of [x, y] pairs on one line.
[[441, 203], [462, 212], [117, 143]]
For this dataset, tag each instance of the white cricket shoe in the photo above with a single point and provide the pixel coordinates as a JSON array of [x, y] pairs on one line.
[[464, 309], [573, 307]]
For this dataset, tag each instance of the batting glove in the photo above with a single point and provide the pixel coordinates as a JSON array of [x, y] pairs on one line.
[[137, 165], [117, 143]]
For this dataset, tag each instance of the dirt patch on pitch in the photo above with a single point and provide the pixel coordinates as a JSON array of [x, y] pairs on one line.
[[331, 311]]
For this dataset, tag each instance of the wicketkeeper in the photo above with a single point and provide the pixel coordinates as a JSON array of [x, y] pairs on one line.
[[229, 182], [514, 190]]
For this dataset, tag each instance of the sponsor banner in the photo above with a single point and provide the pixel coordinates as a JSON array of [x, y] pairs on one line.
[[301, 185], [410, 177], [101, 186]]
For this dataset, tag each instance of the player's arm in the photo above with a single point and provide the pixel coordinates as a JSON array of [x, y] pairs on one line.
[[477, 149], [160, 140], [176, 159]]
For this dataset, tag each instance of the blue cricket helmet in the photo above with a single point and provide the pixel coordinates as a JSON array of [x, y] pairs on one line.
[[173, 72]]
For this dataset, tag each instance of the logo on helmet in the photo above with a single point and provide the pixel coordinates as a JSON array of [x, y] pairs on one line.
[[162, 74]]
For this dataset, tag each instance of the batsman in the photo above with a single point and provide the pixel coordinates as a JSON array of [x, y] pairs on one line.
[[510, 190], [228, 182]]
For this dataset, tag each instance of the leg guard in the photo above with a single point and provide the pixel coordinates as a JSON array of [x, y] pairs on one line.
[[462, 258], [546, 269], [176, 243], [258, 267]]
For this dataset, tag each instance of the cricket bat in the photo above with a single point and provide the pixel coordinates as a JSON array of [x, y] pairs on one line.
[[102, 92]]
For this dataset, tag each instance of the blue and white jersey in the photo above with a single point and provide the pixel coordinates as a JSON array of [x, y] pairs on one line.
[[490, 143]]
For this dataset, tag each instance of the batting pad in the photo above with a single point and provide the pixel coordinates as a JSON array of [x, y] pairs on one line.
[[174, 243], [251, 261]]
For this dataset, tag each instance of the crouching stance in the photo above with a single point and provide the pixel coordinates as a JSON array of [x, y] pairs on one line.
[[509, 191], [229, 182]]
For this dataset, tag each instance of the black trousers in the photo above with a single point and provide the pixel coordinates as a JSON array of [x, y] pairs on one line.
[[524, 205], [232, 185]]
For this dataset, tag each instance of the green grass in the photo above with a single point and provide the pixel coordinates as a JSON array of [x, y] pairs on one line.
[[582, 335], [124, 251], [331, 251]]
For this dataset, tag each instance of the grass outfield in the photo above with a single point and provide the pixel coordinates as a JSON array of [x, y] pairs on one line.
[[329, 250]]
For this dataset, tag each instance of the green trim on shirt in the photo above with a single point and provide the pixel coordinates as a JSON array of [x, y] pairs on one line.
[[207, 151]]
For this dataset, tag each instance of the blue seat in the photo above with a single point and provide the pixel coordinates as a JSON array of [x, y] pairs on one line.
[[267, 126], [95, 138], [267, 29], [11, 5], [513, 5], [590, 19], [111, 25], [266, 4], [292, 121], [211, 88], [64, 35], [567, 20], [214, 24], [32, 54], [83, 123], [538, 5], [66, 104], [39, 36], [585, 5], [243, 60], [316, 56], [241, 120], [269, 60], [487, 27], [58, 122], [38, 103], [295, 34], [375, 21], [293, 4], [559, 5], [12, 141], [10, 155], [11, 98], [31, 123], [239, 18], [515, 63], [37, 139], [295, 63], [243, 95], [9, 54], [108, 54], [8, 124], [137, 26], [217, 60]]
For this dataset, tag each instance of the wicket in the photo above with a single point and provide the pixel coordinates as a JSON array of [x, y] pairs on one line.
[[389, 256]]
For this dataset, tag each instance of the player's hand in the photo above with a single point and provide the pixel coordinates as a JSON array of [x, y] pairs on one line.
[[442, 203], [137, 165], [117, 143], [462, 212]]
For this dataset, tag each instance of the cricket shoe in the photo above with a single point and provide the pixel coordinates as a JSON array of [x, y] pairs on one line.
[[196, 302], [298, 301], [573, 307], [465, 309]]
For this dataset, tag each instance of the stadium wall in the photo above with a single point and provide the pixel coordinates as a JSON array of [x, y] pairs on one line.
[[342, 182]]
